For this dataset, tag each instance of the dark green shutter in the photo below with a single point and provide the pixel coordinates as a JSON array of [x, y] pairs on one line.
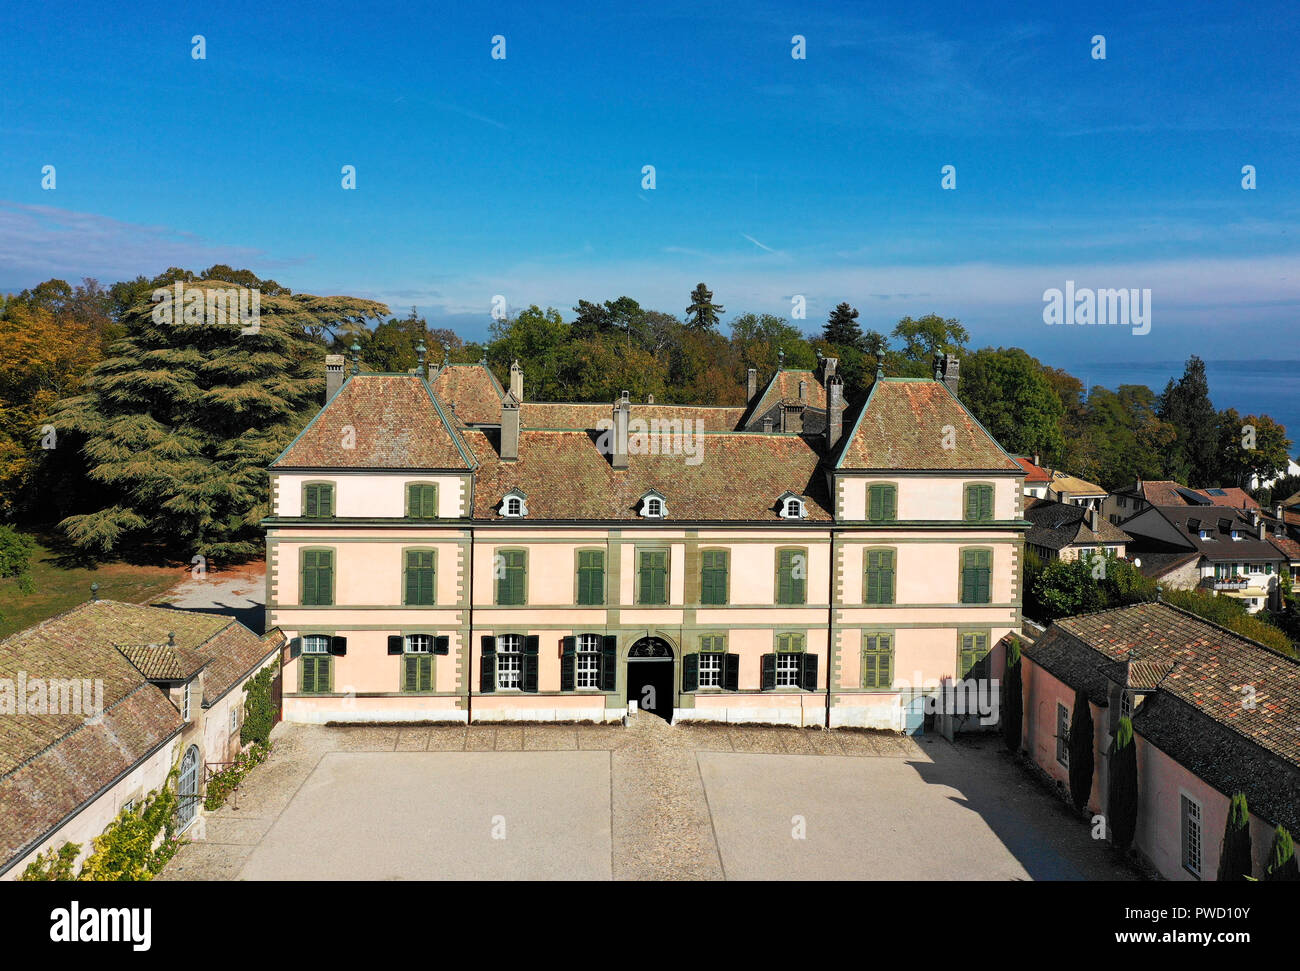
[[442, 645], [608, 662], [510, 586], [410, 681], [591, 577], [791, 589], [317, 578], [295, 648], [395, 645], [769, 672], [421, 501], [975, 576], [654, 576], [426, 672], [339, 646], [986, 503], [880, 576], [420, 578], [690, 672], [487, 680], [808, 671], [528, 678], [714, 577], [972, 503], [310, 502], [308, 674], [568, 664], [731, 672]]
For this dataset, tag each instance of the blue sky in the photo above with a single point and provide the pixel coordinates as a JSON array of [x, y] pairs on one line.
[[774, 176]]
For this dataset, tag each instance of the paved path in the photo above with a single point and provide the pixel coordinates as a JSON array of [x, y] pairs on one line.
[[650, 801]]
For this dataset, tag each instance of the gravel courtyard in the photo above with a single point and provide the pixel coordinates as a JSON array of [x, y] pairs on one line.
[[650, 801]]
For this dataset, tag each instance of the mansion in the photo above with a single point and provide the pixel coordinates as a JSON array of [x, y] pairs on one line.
[[441, 548]]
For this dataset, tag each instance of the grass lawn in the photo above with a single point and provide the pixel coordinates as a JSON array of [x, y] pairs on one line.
[[59, 588]]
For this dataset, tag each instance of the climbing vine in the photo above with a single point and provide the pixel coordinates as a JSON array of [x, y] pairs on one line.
[[259, 712], [223, 783], [129, 849]]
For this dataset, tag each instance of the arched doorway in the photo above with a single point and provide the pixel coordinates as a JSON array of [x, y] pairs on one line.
[[187, 789], [651, 676]]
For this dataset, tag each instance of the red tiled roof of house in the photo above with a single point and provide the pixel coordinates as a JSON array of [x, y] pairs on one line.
[[472, 391], [1228, 496], [904, 426], [564, 476], [784, 386], [1033, 473], [584, 415], [391, 421]]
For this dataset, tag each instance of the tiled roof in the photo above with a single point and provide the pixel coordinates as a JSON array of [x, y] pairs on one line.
[[1229, 496], [1289, 501], [392, 421], [472, 391], [1200, 714], [903, 427], [52, 763], [784, 386], [575, 415], [564, 475], [1033, 473], [1057, 525], [162, 662], [1064, 482], [1189, 520], [1156, 565], [1289, 547], [1160, 492]]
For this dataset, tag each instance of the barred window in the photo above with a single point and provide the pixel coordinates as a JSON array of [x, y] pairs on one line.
[[588, 661], [710, 670], [509, 660]]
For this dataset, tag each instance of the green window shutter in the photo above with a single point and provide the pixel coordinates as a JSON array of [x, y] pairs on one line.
[[421, 500], [976, 576], [882, 505], [426, 672], [654, 576], [714, 577], [608, 662], [591, 577], [411, 674], [420, 578], [308, 674], [880, 576], [487, 680], [808, 671], [310, 502], [731, 672], [326, 501], [511, 585], [528, 673], [891, 503], [875, 507], [769, 672], [569, 664], [979, 503], [790, 588], [317, 577], [691, 672], [986, 503]]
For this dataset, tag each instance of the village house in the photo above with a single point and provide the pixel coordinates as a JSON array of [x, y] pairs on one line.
[[441, 548], [1037, 478], [1064, 531], [1072, 489], [159, 689], [1214, 548], [1213, 714], [1131, 500]]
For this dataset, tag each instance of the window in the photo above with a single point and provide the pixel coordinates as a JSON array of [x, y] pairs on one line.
[[128, 806], [1126, 703], [654, 508], [710, 670], [511, 568], [513, 505], [417, 662], [318, 500], [317, 578], [880, 577], [791, 576], [979, 503], [976, 570], [713, 577], [1063, 735], [1236, 535], [792, 508], [510, 660], [420, 576], [588, 662], [789, 652], [974, 649], [185, 700], [878, 661], [421, 500], [1191, 832], [653, 573], [234, 719], [591, 577], [882, 503], [316, 664]]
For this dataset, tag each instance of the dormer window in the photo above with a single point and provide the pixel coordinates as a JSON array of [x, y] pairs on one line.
[[514, 505], [1236, 535], [791, 506], [1205, 534], [653, 506]]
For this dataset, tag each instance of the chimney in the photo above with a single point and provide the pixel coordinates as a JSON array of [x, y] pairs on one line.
[[649, 399], [767, 425], [751, 387], [803, 390], [792, 417], [1262, 526], [1254, 517], [1092, 518], [1062, 496], [951, 366], [1036, 459], [829, 364], [510, 427], [333, 375], [622, 415], [834, 410], [517, 381], [1277, 513]]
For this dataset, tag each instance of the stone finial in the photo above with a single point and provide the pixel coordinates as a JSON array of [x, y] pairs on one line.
[[420, 351], [780, 357], [94, 592], [356, 357]]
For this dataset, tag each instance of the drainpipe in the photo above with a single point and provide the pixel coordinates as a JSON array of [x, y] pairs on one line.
[[469, 648], [830, 629]]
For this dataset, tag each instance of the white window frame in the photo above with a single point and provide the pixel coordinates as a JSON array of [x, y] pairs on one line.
[[654, 507], [787, 669], [417, 644], [315, 644], [510, 661], [234, 719], [1192, 841], [1062, 738], [710, 669], [586, 665], [185, 700]]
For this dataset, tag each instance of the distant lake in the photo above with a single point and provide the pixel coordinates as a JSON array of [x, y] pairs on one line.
[[1252, 387]]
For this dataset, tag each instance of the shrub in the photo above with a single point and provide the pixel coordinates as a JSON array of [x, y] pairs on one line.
[[1281, 864], [1235, 860], [1081, 754], [16, 551], [259, 712], [1230, 613], [1123, 803], [223, 783], [1013, 698]]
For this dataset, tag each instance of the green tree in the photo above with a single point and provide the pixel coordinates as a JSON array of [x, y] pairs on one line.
[[1013, 700], [1008, 392], [1281, 864], [539, 340], [1235, 859], [1252, 446], [1081, 752], [177, 426], [842, 327], [703, 313], [1121, 812], [1186, 405], [921, 340]]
